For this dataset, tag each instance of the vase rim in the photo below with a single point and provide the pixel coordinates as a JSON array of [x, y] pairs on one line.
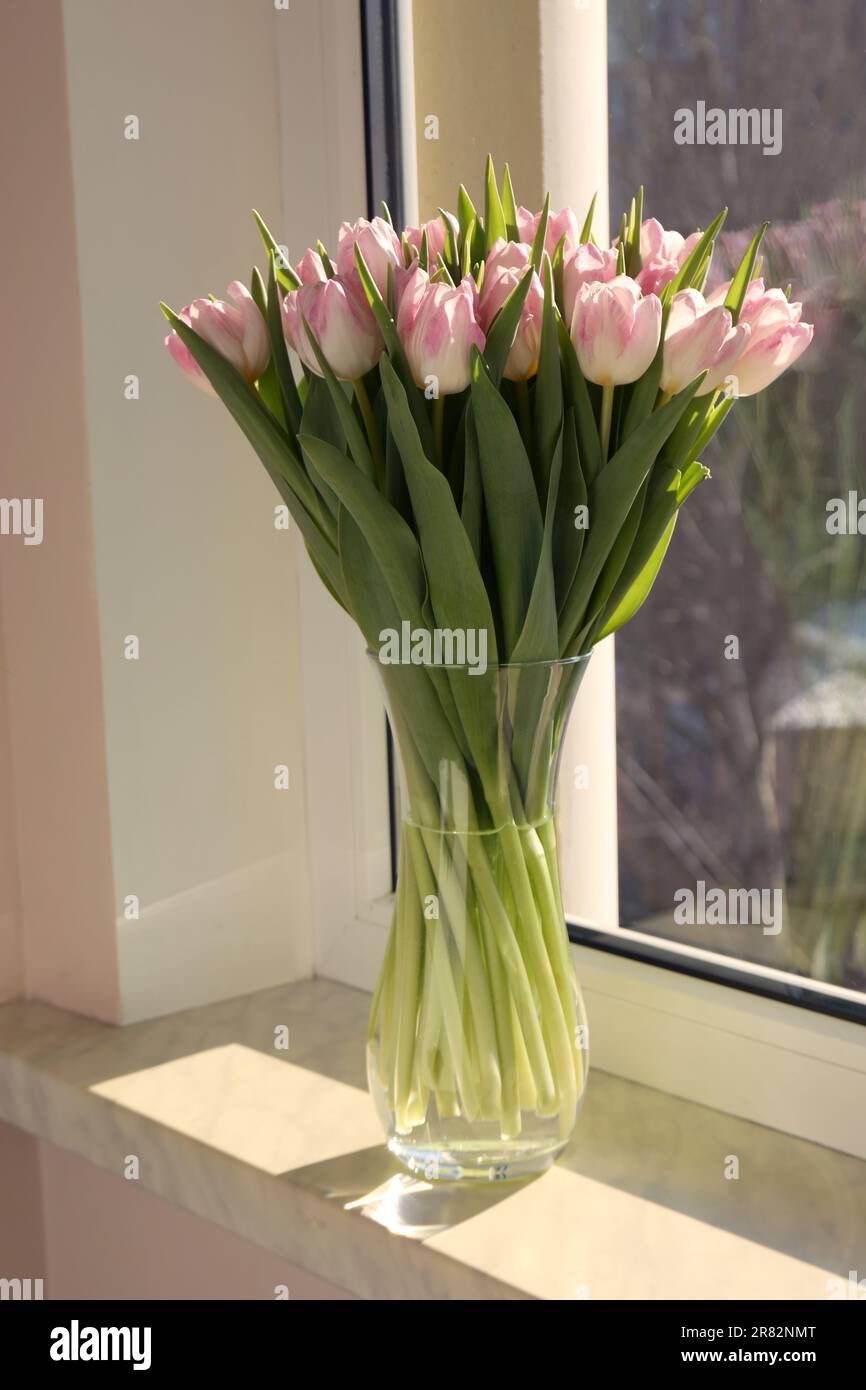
[[490, 666]]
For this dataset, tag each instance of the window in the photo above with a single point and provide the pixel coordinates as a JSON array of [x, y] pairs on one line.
[[741, 687]]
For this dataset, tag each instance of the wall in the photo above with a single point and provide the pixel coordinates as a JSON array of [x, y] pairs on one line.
[[48, 592], [153, 778], [499, 42]]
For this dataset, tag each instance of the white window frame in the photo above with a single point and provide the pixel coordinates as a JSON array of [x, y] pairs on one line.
[[779, 1064]]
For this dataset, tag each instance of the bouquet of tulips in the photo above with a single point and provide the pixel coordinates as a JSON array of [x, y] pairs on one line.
[[486, 425]]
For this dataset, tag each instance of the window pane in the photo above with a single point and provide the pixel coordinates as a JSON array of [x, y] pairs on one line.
[[741, 686]]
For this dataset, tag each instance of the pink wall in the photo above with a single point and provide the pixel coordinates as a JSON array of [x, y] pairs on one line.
[[11, 965], [49, 621], [22, 1236], [93, 1235]]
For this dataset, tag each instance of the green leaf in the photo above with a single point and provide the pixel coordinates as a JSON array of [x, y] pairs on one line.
[[548, 388], [466, 213], [280, 353], [327, 263], [378, 305], [472, 504], [285, 275], [450, 248], [633, 257], [740, 283], [394, 348], [638, 592], [558, 261], [350, 425], [712, 422], [622, 246], [577, 394], [684, 277], [509, 205], [692, 476], [375, 610], [268, 385], [610, 499], [319, 418], [394, 547], [389, 537], [511, 504], [494, 217], [586, 230], [504, 327], [466, 267], [457, 593], [643, 394], [568, 537], [540, 234], [614, 565], [539, 636], [456, 589]]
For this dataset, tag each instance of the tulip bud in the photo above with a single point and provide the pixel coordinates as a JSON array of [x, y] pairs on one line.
[[776, 335], [342, 325], [504, 269], [698, 337], [615, 331], [662, 254], [582, 266], [237, 331], [564, 223], [311, 270], [437, 326], [435, 230], [379, 245]]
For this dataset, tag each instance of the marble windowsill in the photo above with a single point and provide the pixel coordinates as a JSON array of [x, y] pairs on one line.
[[284, 1149]]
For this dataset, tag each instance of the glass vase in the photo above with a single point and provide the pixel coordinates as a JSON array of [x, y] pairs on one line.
[[477, 1046]]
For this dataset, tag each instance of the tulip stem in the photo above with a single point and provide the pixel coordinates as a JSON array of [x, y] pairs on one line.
[[372, 429], [524, 414], [606, 417], [439, 429]]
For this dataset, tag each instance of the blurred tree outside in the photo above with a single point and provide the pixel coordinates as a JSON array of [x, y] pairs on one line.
[[751, 772]]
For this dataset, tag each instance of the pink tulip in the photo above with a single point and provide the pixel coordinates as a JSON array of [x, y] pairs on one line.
[[504, 269], [699, 337], [236, 330], [662, 253], [311, 270], [507, 255], [438, 329], [615, 330], [585, 264], [435, 230], [776, 339], [410, 287], [379, 245], [564, 223], [342, 325]]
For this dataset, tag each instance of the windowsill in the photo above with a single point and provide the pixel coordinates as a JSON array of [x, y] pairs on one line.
[[284, 1149]]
